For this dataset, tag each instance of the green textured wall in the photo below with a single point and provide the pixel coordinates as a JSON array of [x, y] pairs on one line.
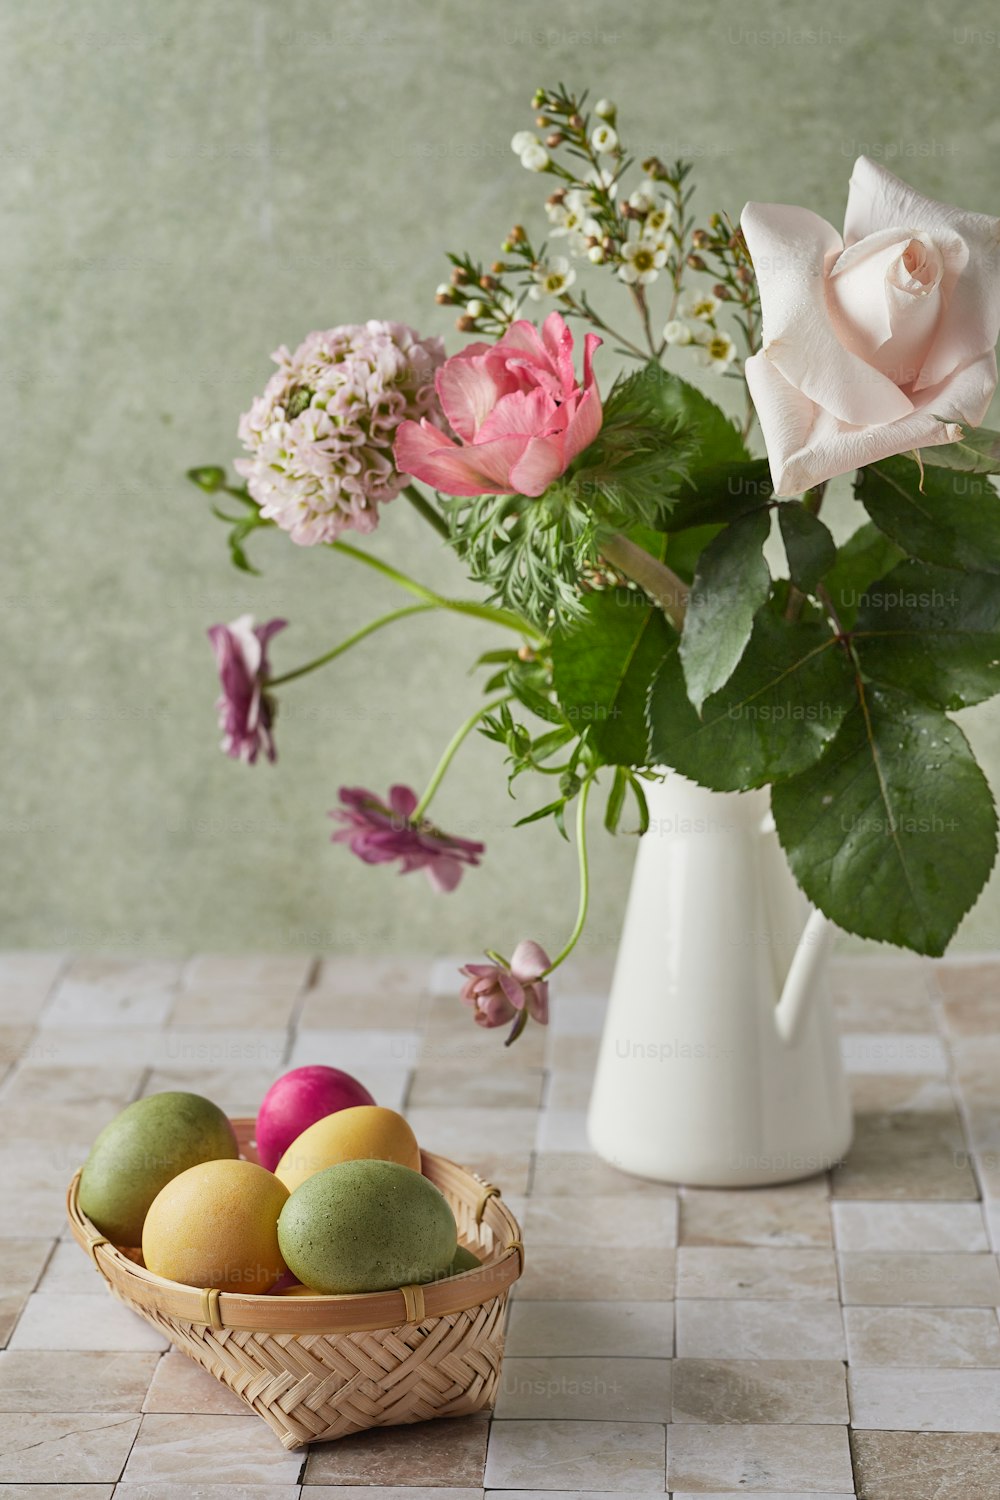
[[184, 187]]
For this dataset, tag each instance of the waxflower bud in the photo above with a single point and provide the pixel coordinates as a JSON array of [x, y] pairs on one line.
[[443, 296], [541, 121], [488, 283], [653, 167], [557, 196], [576, 121], [722, 292], [517, 234], [506, 246], [595, 255], [554, 140], [499, 267], [538, 99], [465, 324], [700, 238], [744, 275], [475, 308], [716, 221], [458, 275], [606, 109], [696, 263]]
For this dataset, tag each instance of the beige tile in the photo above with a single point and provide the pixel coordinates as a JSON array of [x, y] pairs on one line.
[[14, 1042], [569, 1092], [786, 1275], [642, 1223], [926, 1465], [457, 1045], [172, 1047], [76, 1004], [54, 1123], [765, 1495], [577, 1014], [427, 1453], [594, 1274], [257, 1008], [927, 1399], [909, 1226], [920, 1054], [977, 1066], [157, 1490], [71, 1321], [898, 1093], [562, 1130], [922, 1336], [759, 1330], [57, 1492], [371, 978], [941, 1279], [35, 1177], [796, 1216], [759, 1390], [760, 1458], [181, 1385], [396, 1492], [609, 1456], [29, 970], [71, 1085], [269, 972], [572, 1055], [971, 998], [516, 1088], [880, 995], [611, 1389], [236, 1090], [357, 1050], [52, 1380], [71, 1270], [637, 1329], [907, 1155], [581, 1174], [508, 1170], [233, 1450], [73, 1448], [23, 1262], [464, 1134]]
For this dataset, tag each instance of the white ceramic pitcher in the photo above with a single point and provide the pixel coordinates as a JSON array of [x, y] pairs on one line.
[[720, 1061]]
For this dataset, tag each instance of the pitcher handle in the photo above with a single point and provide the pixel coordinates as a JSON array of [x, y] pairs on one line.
[[814, 946]]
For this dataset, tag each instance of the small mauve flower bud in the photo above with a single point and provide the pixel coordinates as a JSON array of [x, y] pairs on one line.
[[744, 275], [653, 167], [628, 212], [443, 298], [608, 245], [465, 324], [487, 283], [499, 267], [541, 121], [722, 292], [517, 234], [576, 121], [459, 275], [700, 238], [554, 140], [696, 263], [557, 196]]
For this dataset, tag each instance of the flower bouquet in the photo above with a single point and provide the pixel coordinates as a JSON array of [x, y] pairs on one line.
[[616, 526]]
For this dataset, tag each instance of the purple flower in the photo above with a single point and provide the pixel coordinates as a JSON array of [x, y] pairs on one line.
[[497, 993], [379, 832], [246, 713]]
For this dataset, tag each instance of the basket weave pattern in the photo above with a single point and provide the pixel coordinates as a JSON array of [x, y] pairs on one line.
[[322, 1367]]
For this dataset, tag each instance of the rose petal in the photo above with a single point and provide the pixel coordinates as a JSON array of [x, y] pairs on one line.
[[792, 251]]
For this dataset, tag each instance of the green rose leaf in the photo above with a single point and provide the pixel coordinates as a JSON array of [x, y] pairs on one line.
[[976, 452], [809, 547], [932, 632], [864, 557], [773, 718], [893, 832], [953, 520], [720, 492], [731, 582], [603, 668]]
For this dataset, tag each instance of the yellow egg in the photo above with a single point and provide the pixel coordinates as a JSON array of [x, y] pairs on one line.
[[216, 1225], [365, 1133]]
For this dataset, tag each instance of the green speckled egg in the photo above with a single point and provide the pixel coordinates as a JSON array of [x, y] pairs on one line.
[[367, 1226]]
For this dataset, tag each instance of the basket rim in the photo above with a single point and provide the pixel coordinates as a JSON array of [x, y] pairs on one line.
[[343, 1313]]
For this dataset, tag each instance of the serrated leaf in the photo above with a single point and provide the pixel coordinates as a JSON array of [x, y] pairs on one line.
[[933, 632], [602, 670], [954, 520], [711, 438], [731, 583], [777, 712], [864, 557], [893, 832], [809, 547], [976, 452]]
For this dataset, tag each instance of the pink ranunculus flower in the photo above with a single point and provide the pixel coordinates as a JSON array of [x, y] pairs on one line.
[[519, 412], [496, 994], [379, 832], [246, 713], [870, 339]]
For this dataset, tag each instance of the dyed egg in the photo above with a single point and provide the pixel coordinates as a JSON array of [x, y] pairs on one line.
[[297, 1100], [138, 1153], [216, 1225], [367, 1226], [367, 1132]]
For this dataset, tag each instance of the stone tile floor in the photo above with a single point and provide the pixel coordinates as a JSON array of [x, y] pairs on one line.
[[830, 1338]]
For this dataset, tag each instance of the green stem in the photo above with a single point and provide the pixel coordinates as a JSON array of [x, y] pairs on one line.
[[352, 640], [423, 507], [504, 617], [657, 580], [451, 749], [581, 850]]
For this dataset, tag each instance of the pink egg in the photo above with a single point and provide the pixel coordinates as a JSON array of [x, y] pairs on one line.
[[297, 1100]]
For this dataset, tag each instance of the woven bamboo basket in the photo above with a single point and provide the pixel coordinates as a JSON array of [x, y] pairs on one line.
[[322, 1367]]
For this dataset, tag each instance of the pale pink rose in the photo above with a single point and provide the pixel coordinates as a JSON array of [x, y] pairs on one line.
[[518, 410], [871, 339]]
